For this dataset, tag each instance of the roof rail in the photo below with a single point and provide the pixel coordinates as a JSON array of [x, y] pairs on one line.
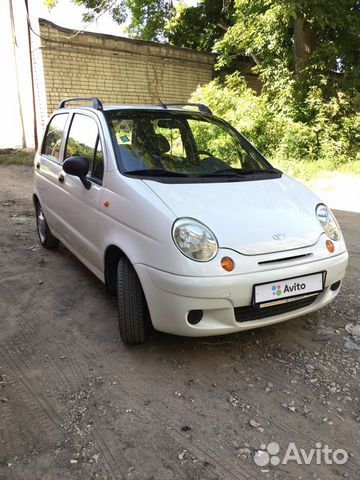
[[202, 108], [95, 102]]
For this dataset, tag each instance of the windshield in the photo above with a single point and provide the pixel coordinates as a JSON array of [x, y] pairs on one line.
[[182, 144]]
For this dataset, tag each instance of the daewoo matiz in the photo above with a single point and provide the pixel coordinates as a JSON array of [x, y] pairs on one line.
[[182, 218]]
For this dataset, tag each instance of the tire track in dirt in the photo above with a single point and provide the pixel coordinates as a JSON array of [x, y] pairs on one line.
[[112, 463], [135, 394], [51, 425], [252, 397], [299, 434], [181, 438], [297, 431], [39, 408], [73, 365], [35, 402], [9, 299], [28, 337]]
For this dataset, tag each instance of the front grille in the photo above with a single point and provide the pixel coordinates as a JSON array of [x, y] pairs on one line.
[[246, 314], [285, 259]]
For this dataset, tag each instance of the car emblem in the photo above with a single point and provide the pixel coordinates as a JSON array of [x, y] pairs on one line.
[[279, 236]]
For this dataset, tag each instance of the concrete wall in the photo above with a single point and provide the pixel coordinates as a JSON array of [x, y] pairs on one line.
[[117, 69], [17, 119]]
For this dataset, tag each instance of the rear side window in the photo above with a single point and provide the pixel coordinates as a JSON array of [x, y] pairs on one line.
[[53, 137], [84, 141]]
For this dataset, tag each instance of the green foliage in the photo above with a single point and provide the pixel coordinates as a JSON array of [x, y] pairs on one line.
[[198, 26], [266, 29], [148, 18], [17, 156], [307, 115], [212, 140], [329, 141]]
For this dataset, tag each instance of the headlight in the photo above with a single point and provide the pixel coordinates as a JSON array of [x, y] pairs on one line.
[[328, 222], [194, 239]]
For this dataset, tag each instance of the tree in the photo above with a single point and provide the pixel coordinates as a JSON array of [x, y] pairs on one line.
[[147, 17], [200, 26], [296, 39], [305, 51]]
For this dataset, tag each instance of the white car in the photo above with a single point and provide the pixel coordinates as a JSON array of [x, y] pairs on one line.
[[182, 218]]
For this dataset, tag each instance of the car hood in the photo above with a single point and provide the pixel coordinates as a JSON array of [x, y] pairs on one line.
[[251, 217]]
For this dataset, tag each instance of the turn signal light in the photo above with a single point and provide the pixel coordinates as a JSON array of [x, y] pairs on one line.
[[227, 264], [330, 246]]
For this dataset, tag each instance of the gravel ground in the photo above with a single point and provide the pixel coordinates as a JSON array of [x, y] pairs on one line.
[[75, 403]]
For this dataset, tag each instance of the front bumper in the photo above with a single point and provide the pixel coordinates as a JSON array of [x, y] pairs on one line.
[[170, 297]]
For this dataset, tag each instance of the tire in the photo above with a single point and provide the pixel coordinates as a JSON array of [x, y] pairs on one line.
[[132, 306], [46, 238]]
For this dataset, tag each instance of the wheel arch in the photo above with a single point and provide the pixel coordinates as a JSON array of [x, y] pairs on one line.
[[111, 258], [35, 200]]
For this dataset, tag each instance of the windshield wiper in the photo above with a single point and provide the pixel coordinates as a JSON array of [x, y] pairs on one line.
[[226, 172], [256, 170], [235, 172], [156, 172]]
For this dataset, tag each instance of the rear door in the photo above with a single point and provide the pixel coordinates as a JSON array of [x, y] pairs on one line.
[[48, 170], [80, 207]]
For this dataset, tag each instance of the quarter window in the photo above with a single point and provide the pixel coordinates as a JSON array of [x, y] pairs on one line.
[[53, 138], [84, 141]]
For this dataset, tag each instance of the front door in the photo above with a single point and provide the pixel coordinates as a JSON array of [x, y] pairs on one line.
[[48, 171], [79, 207]]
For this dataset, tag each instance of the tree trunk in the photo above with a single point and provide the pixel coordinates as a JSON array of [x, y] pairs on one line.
[[304, 43]]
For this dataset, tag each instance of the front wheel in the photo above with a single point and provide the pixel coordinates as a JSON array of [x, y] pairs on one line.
[[131, 304], [46, 238]]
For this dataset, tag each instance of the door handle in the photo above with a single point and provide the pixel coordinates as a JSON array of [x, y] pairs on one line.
[[61, 178], [38, 165]]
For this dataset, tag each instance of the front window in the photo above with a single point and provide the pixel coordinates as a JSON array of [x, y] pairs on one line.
[[84, 141], [183, 144]]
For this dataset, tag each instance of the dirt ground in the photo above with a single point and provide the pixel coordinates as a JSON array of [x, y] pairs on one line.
[[75, 403]]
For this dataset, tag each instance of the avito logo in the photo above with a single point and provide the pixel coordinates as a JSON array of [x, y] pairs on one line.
[[270, 454], [277, 290], [288, 288]]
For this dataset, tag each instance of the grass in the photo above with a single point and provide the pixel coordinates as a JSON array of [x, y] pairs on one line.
[[309, 170], [16, 156]]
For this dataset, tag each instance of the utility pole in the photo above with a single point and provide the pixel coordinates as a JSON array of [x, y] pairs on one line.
[[32, 74], [14, 42]]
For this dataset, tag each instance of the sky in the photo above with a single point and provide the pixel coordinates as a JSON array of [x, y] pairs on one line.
[[66, 14]]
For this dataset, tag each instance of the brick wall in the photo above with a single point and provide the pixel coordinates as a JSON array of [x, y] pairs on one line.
[[116, 69], [245, 67]]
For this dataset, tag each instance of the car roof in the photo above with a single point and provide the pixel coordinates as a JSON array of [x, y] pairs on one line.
[[133, 108], [107, 108], [97, 105], [146, 107]]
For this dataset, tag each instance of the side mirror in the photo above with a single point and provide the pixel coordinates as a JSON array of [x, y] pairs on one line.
[[79, 167]]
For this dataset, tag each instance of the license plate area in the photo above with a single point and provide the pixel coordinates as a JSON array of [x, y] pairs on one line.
[[281, 291]]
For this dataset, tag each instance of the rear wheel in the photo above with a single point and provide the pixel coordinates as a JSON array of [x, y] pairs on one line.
[[132, 308], [46, 238]]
